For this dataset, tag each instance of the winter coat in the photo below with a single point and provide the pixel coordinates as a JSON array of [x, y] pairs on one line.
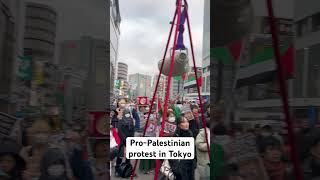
[[202, 154], [304, 141], [125, 129], [183, 169], [194, 127], [11, 148], [51, 157], [81, 168]]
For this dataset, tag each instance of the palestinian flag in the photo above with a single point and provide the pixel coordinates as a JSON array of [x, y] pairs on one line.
[[262, 67], [228, 54]]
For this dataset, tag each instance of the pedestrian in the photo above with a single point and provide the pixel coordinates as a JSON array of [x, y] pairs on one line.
[[202, 152], [100, 165], [170, 125], [12, 164], [54, 165], [312, 162], [270, 150], [75, 149], [125, 130], [181, 168], [194, 126], [147, 165], [37, 141]]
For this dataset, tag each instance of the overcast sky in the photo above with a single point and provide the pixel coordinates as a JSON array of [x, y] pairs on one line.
[[145, 29]]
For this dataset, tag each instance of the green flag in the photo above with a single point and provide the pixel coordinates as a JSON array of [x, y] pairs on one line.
[[25, 68]]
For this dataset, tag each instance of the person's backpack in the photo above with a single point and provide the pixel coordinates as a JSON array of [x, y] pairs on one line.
[[125, 170]]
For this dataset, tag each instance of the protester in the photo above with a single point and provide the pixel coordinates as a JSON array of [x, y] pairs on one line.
[[37, 137], [100, 165], [12, 164], [147, 165], [170, 124], [75, 150], [194, 125], [125, 129], [183, 169], [202, 152], [271, 152], [54, 166], [312, 162]]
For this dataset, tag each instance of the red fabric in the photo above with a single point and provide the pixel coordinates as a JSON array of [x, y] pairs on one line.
[[200, 81], [115, 135], [85, 154], [287, 60], [184, 76], [235, 49]]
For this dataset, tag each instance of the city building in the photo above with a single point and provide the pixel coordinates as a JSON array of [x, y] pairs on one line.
[[122, 77], [140, 85], [206, 49], [300, 22], [115, 20], [190, 84], [82, 63], [161, 87], [122, 71], [11, 32]]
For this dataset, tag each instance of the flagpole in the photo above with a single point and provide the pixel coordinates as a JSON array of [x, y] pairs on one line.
[[234, 86]]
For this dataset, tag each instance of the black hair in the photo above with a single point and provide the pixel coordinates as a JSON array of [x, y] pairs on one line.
[[269, 142], [257, 126], [179, 121], [220, 129]]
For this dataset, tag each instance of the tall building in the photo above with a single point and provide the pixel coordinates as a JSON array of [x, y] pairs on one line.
[[141, 85], [83, 63], [122, 71], [115, 20], [262, 101], [11, 23], [40, 31], [190, 84], [206, 49]]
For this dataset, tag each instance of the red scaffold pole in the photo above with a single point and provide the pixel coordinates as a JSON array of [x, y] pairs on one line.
[[283, 91], [155, 90], [168, 83], [197, 83]]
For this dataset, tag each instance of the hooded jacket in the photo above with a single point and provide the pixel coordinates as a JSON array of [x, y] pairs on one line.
[[51, 157]]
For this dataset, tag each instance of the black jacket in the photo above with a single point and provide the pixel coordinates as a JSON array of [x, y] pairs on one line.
[[194, 127], [183, 169], [125, 129]]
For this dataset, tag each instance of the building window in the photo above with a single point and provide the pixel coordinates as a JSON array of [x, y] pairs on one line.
[[316, 22], [303, 27]]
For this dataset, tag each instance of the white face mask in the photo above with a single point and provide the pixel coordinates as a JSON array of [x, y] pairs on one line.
[[122, 105], [172, 119], [147, 109], [56, 170], [127, 115]]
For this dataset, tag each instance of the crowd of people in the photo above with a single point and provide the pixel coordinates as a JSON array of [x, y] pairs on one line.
[[272, 146], [39, 148], [183, 119]]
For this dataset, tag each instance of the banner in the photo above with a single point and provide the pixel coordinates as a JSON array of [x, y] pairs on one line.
[[25, 68]]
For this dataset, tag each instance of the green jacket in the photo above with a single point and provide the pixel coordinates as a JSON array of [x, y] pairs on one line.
[[217, 161]]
